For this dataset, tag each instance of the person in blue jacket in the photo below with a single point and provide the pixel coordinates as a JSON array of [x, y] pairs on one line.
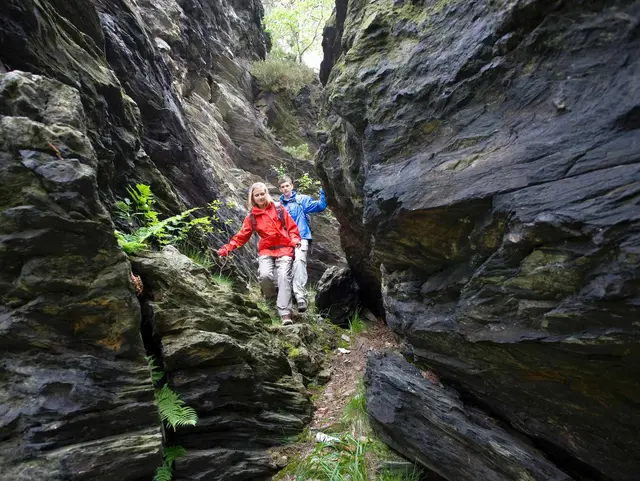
[[299, 207]]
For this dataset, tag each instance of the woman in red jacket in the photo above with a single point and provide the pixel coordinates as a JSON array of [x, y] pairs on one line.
[[279, 235]]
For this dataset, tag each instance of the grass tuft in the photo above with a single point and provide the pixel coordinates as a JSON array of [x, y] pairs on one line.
[[356, 323]]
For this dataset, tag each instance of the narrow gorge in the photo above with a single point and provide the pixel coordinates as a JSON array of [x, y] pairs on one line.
[[481, 161]]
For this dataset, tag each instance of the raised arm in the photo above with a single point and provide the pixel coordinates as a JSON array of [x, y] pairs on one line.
[[238, 240], [310, 205]]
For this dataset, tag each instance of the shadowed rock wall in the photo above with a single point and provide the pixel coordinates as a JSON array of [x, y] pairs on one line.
[[482, 159], [99, 95]]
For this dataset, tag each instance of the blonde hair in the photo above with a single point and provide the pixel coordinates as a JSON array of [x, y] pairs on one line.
[[257, 185]]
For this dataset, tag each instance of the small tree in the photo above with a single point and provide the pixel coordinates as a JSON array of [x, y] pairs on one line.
[[296, 25]]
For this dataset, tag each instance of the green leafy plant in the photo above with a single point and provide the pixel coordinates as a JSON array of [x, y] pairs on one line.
[[296, 26], [356, 323], [308, 184], [280, 170], [156, 373], [139, 239], [145, 226], [173, 410], [300, 152], [282, 75], [170, 454]]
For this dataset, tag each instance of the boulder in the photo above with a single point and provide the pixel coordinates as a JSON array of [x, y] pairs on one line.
[[431, 425], [482, 160], [223, 357], [337, 295]]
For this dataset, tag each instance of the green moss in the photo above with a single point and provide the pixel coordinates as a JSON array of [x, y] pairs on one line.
[[294, 352], [430, 126], [547, 272], [459, 164]]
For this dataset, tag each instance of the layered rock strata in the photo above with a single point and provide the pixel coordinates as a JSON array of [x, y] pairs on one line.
[[482, 159]]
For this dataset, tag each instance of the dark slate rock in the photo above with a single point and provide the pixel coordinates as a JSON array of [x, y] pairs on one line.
[[227, 364], [76, 401], [431, 425], [483, 162], [337, 295]]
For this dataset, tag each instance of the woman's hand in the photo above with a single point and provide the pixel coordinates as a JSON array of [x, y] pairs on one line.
[[223, 251]]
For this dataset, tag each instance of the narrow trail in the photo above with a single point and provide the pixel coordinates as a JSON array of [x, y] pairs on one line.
[[347, 371], [339, 438]]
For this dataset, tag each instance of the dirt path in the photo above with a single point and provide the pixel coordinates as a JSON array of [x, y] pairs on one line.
[[346, 371]]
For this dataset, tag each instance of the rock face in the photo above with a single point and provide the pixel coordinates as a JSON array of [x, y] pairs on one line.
[[221, 356], [117, 92], [482, 159], [419, 417], [75, 399], [168, 96], [337, 295]]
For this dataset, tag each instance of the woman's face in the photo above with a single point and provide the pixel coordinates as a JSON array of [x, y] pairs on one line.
[[260, 197]]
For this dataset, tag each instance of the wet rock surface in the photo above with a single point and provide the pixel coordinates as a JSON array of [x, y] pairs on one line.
[[75, 398], [421, 419], [482, 161], [227, 361], [337, 295]]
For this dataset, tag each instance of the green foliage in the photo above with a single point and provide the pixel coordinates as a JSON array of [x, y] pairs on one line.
[[173, 410], [144, 200], [356, 323], [307, 184], [355, 412], [156, 373], [343, 460], [414, 475], [171, 453], [300, 152], [280, 170], [165, 231], [145, 226], [223, 281], [175, 413], [276, 75], [198, 255], [296, 26]]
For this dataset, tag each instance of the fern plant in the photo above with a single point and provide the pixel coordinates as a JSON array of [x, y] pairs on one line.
[[171, 453], [173, 410], [144, 200]]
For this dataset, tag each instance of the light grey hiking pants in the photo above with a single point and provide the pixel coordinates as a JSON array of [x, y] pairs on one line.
[[300, 271], [275, 275]]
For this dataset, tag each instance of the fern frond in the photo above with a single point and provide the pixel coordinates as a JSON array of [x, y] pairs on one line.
[[171, 453], [156, 372], [173, 410], [163, 473]]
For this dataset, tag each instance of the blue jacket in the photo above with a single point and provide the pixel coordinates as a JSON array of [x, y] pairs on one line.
[[300, 206]]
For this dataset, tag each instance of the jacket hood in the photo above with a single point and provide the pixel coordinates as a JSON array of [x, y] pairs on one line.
[[255, 210]]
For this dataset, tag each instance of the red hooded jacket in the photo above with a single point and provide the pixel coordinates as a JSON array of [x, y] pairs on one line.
[[275, 241]]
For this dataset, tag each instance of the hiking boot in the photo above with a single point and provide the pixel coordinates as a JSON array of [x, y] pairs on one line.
[[286, 320], [302, 305]]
